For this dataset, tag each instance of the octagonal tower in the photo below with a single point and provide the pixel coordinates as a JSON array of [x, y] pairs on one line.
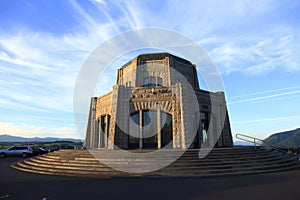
[[157, 103]]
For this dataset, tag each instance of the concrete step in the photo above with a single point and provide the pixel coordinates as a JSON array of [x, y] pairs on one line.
[[161, 151], [225, 161], [184, 156], [105, 174], [51, 171], [192, 161], [117, 158], [173, 167]]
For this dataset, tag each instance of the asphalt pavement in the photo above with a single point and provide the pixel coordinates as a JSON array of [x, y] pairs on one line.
[[15, 184]]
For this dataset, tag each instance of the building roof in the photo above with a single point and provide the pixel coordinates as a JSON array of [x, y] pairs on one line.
[[152, 56]]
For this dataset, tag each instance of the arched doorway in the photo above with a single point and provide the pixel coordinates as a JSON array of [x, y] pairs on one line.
[[149, 129], [167, 130]]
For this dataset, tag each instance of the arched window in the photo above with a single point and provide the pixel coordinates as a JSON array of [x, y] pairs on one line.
[[152, 81]]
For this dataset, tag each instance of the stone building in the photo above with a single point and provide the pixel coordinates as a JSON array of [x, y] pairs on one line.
[[157, 103]]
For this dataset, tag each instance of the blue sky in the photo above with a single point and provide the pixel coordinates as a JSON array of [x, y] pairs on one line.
[[254, 44]]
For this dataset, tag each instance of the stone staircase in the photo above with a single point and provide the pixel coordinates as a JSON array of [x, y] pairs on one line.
[[218, 162]]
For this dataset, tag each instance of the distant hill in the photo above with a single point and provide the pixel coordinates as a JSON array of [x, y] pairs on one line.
[[287, 138], [242, 143], [10, 138]]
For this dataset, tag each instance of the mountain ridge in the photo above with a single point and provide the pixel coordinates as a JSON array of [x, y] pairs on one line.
[[11, 138], [286, 138]]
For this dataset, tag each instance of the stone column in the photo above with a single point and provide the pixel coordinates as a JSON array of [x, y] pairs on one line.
[[158, 129], [141, 129], [100, 139], [106, 131], [213, 128], [96, 139], [182, 117], [91, 138]]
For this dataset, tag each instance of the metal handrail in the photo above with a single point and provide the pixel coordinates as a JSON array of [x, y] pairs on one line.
[[263, 143]]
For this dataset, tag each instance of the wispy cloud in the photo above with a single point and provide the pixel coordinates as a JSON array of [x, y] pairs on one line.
[[257, 99], [38, 69], [286, 118], [265, 92], [262, 57], [27, 130]]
